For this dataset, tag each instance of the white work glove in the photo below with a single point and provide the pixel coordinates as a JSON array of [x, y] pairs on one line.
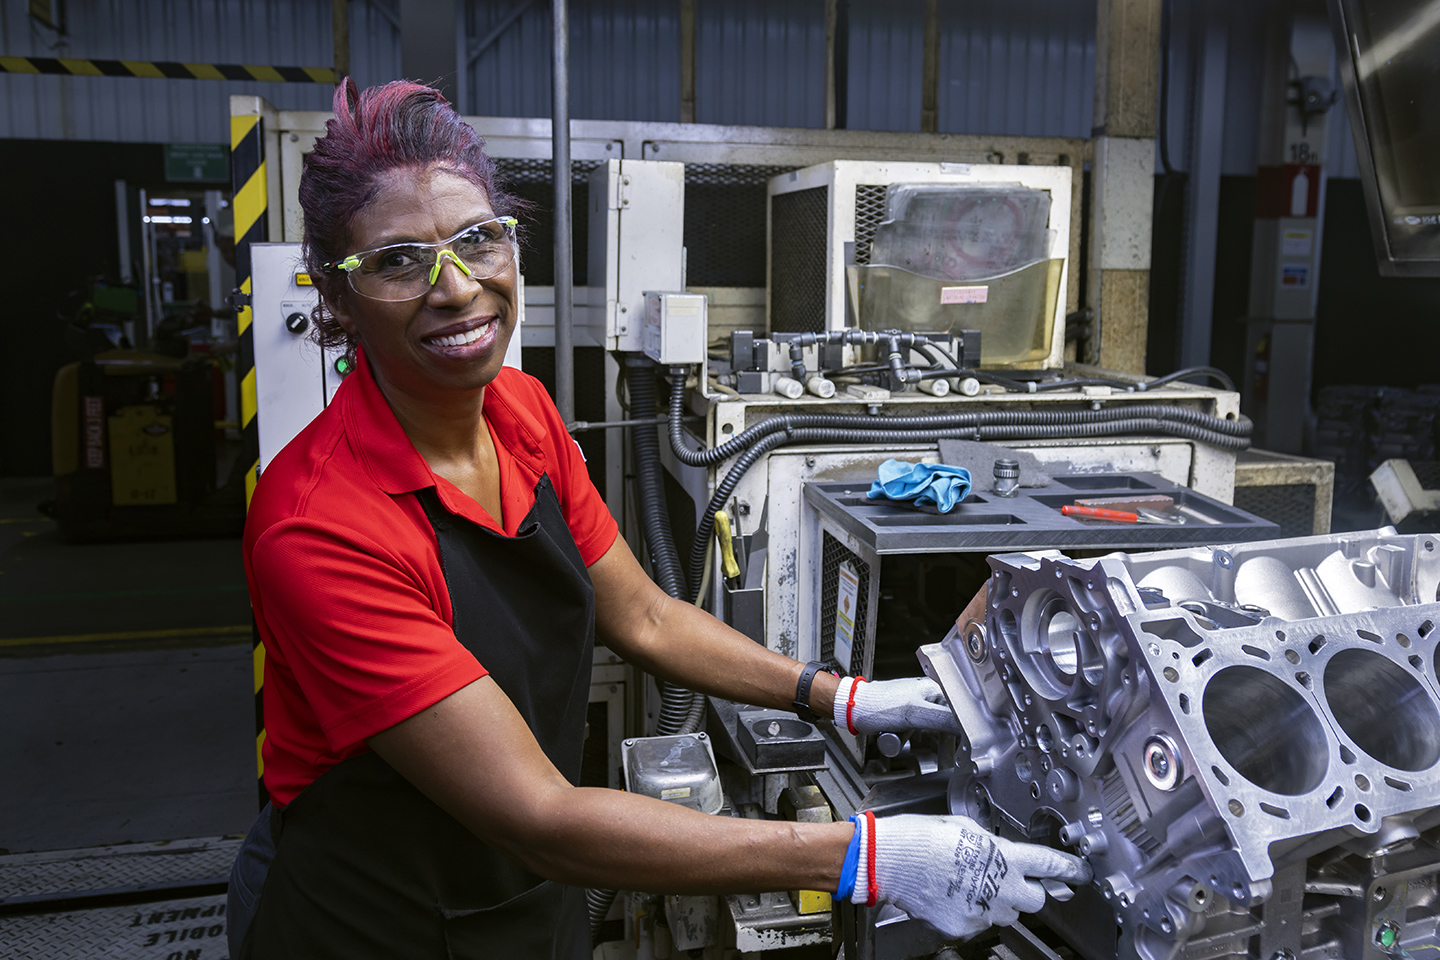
[[953, 874], [914, 703]]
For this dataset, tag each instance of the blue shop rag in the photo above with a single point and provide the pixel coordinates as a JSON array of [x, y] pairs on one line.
[[928, 484]]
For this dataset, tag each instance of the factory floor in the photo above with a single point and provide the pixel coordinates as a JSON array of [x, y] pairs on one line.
[[126, 695]]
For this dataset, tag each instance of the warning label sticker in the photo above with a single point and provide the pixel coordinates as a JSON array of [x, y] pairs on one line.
[[978, 294], [845, 604], [1295, 276]]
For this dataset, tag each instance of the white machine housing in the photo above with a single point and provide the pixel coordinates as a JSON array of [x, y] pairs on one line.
[[637, 227], [848, 214]]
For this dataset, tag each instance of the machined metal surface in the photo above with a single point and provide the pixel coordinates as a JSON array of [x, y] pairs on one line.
[[775, 741], [1243, 741]]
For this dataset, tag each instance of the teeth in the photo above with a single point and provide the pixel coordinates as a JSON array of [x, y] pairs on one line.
[[461, 339]]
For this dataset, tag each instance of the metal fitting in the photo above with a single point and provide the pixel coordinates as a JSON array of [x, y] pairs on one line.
[[1007, 478], [1161, 761]]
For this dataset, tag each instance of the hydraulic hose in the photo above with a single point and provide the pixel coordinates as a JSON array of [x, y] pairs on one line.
[[677, 705], [654, 518], [796, 421], [597, 904], [680, 710]]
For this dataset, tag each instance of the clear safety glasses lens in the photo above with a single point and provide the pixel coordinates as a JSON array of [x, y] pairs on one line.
[[405, 271]]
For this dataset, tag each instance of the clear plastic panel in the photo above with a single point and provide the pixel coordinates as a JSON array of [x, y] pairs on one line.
[[963, 231], [1014, 312]]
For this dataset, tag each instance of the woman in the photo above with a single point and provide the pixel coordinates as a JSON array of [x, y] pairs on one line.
[[429, 567]]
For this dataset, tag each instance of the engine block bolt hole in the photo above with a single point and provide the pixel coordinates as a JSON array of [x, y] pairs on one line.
[[1044, 739], [975, 642], [1161, 763], [1236, 809], [1362, 813], [1292, 656]]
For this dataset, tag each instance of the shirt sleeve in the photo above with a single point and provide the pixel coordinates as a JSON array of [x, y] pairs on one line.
[[357, 625]]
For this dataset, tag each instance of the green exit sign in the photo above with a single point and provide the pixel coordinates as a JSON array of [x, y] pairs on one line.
[[197, 163]]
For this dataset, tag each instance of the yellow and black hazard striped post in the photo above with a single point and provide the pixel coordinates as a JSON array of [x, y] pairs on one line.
[[250, 204], [164, 70]]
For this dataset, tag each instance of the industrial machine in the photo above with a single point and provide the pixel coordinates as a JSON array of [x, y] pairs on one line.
[[910, 305]]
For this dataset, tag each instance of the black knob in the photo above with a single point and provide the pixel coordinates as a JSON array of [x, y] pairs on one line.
[[297, 322]]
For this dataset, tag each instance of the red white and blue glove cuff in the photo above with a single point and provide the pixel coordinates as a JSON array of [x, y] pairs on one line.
[[857, 876]]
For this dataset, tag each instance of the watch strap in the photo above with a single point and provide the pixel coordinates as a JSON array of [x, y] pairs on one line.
[[802, 692]]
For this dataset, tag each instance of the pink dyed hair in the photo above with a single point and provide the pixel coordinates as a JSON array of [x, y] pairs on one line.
[[394, 126]]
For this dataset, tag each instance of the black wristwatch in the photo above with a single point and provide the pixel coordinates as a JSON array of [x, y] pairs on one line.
[[802, 692]]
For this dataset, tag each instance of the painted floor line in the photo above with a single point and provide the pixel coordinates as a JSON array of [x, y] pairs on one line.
[[120, 594], [128, 635]]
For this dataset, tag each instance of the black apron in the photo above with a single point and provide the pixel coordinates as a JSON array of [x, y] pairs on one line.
[[368, 867]]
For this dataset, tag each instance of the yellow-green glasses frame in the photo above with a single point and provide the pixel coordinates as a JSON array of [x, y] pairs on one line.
[[409, 270]]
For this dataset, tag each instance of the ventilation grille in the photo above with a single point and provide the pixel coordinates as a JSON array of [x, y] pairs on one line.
[[832, 554], [1291, 505], [797, 260], [869, 211], [731, 174], [513, 171], [532, 182], [725, 223]]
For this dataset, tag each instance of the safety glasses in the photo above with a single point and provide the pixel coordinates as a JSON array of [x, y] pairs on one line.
[[404, 271]]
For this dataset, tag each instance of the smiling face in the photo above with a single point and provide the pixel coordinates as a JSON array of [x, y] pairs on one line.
[[452, 339]]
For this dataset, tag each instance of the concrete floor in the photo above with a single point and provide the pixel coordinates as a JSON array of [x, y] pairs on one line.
[[125, 686]]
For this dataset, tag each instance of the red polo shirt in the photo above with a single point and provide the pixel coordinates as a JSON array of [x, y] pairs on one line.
[[344, 569]]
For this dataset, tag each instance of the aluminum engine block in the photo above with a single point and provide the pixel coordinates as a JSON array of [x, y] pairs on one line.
[[1243, 741]]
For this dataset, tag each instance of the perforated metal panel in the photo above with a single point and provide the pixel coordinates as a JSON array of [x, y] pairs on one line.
[[833, 553], [869, 211], [731, 174], [1291, 505], [725, 223], [513, 170], [532, 181], [797, 260]]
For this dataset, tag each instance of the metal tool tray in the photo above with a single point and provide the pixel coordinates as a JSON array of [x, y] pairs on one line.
[[1032, 520]]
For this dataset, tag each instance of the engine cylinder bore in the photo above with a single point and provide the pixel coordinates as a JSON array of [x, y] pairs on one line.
[[1266, 730], [1383, 709]]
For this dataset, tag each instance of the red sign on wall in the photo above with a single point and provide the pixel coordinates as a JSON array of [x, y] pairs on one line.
[[1289, 190]]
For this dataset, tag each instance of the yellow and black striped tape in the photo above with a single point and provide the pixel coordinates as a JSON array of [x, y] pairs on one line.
[[250, 203], [164, 70]]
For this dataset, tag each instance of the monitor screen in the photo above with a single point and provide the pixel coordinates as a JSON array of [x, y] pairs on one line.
[[1391, 60]]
